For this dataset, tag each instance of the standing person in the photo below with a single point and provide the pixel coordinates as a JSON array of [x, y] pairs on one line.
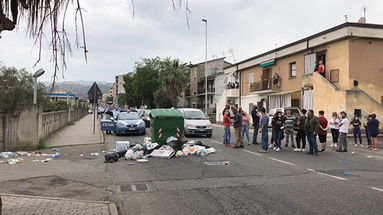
[[263, 129], [227, 108], [311, 128], [255, 116], [373, 128], [289, 128], [369, 117], [301, 134], [277, 123], [245, 127], [356, 131], [237, 128], [334, 122], [322, 132], [321, 69], [343, 131], [227, 133]]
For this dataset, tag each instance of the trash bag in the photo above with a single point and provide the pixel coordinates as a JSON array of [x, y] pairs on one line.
[[138, 147], [137, 155], [129, 154], [199, 143], [122, 153], [180, 154], [150, 147], [171, 138], [111, 157], [175, 144]]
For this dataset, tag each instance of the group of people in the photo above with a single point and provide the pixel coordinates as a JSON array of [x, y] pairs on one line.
[[233, 85], [298, 128]]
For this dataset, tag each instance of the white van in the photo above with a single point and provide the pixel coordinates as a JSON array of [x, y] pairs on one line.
[[196, 122]]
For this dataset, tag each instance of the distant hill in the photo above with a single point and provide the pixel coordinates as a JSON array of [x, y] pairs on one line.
[[79, 86]]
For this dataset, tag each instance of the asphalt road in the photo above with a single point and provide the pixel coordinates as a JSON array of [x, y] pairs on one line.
[[284, 182], [274, 183]]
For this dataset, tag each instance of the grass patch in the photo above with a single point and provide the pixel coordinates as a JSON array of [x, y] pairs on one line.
[[71, 123], [41, 144]]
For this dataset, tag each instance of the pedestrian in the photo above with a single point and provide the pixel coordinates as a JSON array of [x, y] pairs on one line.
[[289, 128], [277, 123], [227, 108], [356, 131], [263, 129], [255, 116], [322, 132], [321, 69], [237, 128], [343, 131], [369, 144], [245, 127], [301, 134], [227, 133], [311, 128], [373, 128], [334, 122]]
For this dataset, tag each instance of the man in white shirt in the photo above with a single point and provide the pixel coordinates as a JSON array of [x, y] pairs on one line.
[[343, 131]]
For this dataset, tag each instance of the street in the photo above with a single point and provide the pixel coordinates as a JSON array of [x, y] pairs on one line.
[[271, 183]]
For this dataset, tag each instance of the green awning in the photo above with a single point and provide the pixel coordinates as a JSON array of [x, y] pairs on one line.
[[267, 63]]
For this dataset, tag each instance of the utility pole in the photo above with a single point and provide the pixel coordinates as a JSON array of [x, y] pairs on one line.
[[205, 21]]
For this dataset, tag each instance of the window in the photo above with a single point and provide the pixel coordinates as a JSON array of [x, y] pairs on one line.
[[334, 76], [293, 70], [211, 99], [251, 78]]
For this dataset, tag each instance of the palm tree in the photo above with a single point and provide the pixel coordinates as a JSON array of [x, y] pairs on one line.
[[173, 78]]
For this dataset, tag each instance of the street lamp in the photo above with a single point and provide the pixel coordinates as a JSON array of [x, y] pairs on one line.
[[37, 74], [205, 21]]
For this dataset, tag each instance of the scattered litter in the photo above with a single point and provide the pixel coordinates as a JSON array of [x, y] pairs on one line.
[[217, 163], [352, 152], [341, 161], [122, 145], [14, 161], [347, 173], [56, 155], [36, 153], [8, 155], [46, 160], [180, 154], [34, 161], [94, 154], [81, 155], [142, 160], [369, 156], [23, 154], [56, 149], [147, 140], [138, 147], [131, 164]]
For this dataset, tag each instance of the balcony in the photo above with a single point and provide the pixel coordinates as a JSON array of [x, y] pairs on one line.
[[264, 85], [209, 91], [232, 93]]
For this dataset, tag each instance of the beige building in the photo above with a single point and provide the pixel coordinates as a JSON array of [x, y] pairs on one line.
[[353, 57]]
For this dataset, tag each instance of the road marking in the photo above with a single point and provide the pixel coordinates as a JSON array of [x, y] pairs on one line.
[[254, 153], [332, 176], [377, 189], [285, 162], [216, 141]]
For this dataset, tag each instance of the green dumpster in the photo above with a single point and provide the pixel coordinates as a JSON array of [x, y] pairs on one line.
[[165, 123]]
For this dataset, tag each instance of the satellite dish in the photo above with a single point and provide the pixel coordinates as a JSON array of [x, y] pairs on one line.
[[362, 20]]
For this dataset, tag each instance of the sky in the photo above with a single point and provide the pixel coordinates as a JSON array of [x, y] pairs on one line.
[[116, 39]]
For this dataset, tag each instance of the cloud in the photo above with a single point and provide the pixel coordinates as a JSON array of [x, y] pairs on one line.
[[116, 39]]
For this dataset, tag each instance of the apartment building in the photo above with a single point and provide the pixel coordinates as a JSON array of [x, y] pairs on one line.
[[352, 54], [194, 95]]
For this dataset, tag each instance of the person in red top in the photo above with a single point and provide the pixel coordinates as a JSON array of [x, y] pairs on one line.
[[322, 132], [321, 69], [226, 124]]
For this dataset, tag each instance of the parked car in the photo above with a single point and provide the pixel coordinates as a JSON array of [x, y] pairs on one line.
[[130, 123], [196, 122], [146, 117], [108, 123], [284, 110]]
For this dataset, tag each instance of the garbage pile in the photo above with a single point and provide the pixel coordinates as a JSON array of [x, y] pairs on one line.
[[13, 158], [141, 152]]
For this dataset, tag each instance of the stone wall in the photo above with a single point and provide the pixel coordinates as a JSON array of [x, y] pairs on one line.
[[29, 125]]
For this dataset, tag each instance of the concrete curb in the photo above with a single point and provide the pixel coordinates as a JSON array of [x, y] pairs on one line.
[[112, 207]]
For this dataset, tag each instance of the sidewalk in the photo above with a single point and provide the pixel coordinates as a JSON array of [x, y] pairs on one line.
[[79, 134], [19, 204]]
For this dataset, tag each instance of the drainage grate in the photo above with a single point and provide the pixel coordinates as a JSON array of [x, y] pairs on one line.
[[134, 187]]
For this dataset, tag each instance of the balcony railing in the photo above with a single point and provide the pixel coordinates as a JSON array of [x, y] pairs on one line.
[[209, 90], [261, 85]]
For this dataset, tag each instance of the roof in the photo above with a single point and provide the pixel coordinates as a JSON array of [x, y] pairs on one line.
[[194, 65], [173, 113], [347, 24]]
